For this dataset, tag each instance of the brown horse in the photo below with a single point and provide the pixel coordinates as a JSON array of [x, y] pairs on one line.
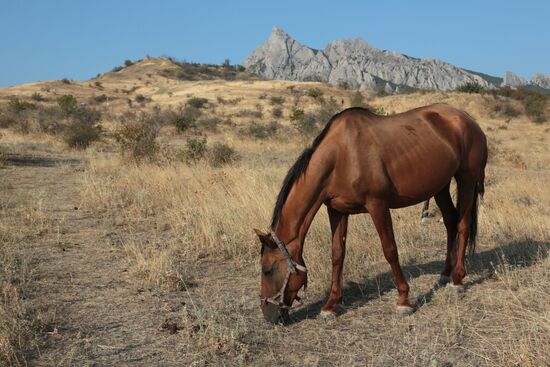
[[360, 163]]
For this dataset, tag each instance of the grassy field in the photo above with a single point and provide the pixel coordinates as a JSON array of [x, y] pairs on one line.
[[139, 250]]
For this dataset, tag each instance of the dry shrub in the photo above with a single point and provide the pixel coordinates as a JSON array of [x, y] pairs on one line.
[[277, 100], [277, 112], [83, 128], [138, 139], [197, 102], [261, 131], [221, 154], [185, 118]]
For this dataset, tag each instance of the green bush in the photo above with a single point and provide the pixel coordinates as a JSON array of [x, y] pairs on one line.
[[16, 105], [140, 98], [209, 123], [305, 123], [197, 102], [49, 120], [261, 131], [277, 100], [535, 107], [83, 128], [196, 149], [185, 118], [314, 93], [509, 111], [221, 154], [100, 99], [343, 85], [37, 97], [277, 112], [328, 109], [470, 87], [67, 103], [128, 63], [138, 140]]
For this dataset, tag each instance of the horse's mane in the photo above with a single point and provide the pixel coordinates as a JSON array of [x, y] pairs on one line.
[[299, 167]]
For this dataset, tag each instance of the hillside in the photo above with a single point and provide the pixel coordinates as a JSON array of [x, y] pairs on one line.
[[137, 248]]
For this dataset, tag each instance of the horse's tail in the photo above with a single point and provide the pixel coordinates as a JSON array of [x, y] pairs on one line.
[[479, 191]]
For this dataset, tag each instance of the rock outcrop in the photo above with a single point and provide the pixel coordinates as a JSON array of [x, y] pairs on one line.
[[513, 80], [516, 81], [354, 63]]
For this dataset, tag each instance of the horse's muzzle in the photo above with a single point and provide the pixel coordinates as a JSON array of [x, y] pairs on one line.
[[274, 314]]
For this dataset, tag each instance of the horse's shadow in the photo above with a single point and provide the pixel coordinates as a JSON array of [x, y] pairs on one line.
[[518, 254]]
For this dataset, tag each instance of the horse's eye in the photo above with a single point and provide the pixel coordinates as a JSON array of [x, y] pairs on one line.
[[267, 272]]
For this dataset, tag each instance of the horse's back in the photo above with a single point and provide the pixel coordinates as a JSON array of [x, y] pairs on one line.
[[409, 156]]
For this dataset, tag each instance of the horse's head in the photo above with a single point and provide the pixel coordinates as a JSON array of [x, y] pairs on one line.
[[282, 278]]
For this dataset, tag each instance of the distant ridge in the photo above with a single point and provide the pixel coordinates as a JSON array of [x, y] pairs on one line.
[[357, 64]]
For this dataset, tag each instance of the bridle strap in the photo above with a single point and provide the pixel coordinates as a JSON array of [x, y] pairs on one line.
[[293, 267]]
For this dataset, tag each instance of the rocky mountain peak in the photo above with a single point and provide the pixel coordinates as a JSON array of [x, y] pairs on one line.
[[355, 63]]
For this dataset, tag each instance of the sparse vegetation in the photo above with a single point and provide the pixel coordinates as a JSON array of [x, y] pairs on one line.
[[37, 97], [83, 128], [261, 131], [196, 149], [314, 93], [277, 112], [197, 102], [221, 154], [138, 139], [276, 100], [185, 118], [168, 233], [470, 87], [358, 100], [68, 104]]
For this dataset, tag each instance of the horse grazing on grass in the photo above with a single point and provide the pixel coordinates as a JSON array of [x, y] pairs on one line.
[[365, 163]]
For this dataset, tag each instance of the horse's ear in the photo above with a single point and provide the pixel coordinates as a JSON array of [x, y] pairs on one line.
[[265, 238]]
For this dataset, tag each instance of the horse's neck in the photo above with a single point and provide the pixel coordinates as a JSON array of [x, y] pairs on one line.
[[297, 213]]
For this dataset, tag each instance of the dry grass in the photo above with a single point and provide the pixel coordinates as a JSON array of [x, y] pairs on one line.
[[187, 228], [503, 320]]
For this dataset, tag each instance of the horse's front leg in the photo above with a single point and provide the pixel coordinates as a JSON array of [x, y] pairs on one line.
[[381, 217], [339, 228]]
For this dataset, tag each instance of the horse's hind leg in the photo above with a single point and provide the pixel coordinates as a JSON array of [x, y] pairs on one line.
[[450, 218], [466, 191], [381, 217], [339, 228], [425, 212]]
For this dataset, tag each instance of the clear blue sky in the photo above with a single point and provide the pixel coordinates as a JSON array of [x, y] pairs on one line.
[[41, 40]]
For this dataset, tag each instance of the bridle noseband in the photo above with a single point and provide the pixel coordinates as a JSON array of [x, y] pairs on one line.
[[293, 267]]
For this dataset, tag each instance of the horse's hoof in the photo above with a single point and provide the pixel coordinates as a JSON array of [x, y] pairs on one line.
[[458, 289], [425, 220], [327, 315], [404, 310], [442, 281]]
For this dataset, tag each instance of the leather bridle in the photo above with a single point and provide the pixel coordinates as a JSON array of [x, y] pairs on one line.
[[293, 268]]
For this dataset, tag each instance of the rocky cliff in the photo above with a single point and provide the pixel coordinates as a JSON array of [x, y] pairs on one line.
[[354, 63], [538, 80]]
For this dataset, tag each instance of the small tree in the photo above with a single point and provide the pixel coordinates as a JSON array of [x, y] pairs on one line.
[[67, 103]]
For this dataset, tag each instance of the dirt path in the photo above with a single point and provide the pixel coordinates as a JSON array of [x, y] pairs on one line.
[[93, 315]]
